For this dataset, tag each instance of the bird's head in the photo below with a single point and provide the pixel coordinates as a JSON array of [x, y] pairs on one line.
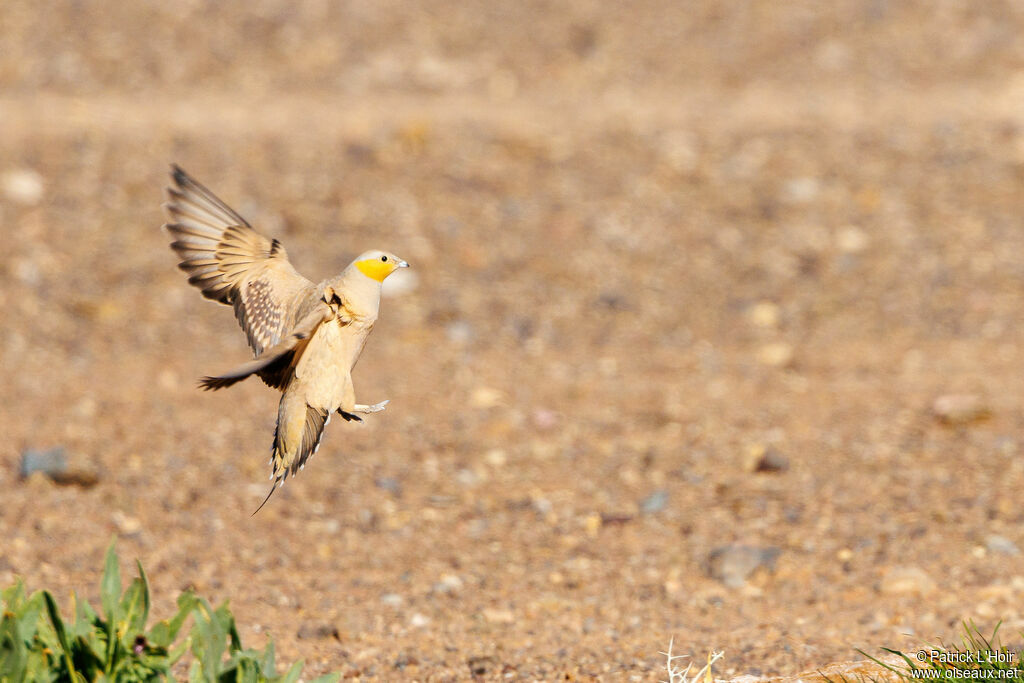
[[377, 265]]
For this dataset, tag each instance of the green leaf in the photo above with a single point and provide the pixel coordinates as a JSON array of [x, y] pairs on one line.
[[293, 673], [89, 650], [208, 639], [13, 652], [178, 651], [133, 610], [28, 616], [246, 671], [13, 596], [268, 665], [110, 592], [135, 605], [327, 678], [163, 633], [85, 618], [94, 642], [110, 586], [62, 638], [227, 623]]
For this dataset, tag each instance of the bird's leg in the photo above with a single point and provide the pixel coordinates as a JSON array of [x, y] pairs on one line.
[[375, 408], [364, 409]]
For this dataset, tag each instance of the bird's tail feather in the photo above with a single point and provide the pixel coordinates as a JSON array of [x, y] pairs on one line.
[[290, 452], [273, 487]]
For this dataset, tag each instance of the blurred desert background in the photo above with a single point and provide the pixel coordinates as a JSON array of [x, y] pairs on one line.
[[712, 331]]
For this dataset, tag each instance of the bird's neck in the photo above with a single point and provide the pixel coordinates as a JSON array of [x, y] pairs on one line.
[[361, 294]]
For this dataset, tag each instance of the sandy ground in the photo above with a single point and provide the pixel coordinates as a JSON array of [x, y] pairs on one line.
[[688, 278]]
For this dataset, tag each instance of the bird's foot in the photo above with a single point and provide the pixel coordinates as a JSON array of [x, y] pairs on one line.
[[375, 408], [364, 409]]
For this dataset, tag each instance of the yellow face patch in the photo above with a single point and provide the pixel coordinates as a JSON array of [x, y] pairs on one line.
[[375, 268]]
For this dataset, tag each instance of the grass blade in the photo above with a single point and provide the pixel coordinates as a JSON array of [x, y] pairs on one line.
[[62, 636]]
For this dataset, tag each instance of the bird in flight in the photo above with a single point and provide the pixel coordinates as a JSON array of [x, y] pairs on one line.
[[305, 337]]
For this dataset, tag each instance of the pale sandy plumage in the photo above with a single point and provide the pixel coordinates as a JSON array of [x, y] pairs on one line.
[[305, 337]]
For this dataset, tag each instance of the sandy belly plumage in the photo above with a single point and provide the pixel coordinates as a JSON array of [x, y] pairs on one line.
[[324, 369]]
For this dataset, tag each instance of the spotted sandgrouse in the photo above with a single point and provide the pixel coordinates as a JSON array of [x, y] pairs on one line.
[[305, 337]]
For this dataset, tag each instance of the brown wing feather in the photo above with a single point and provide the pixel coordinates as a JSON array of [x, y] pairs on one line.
[[232, 263]]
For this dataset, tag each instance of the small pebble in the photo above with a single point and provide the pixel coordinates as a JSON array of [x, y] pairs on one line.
[[776, 354], [486, 397], [467, 477], [764, 314], [392, 599], [50, 462], [389, 484], [311, 630], [654, 502], [480, 665], [960, 409], [733, 564], [459, 332], [126, 524], [544, 419], [22, 186], [852, 240], [499, 616], [405, 661], [801, 190], [764, 459], [496, 457], [906, 580], [1000, 544], [449, 583]]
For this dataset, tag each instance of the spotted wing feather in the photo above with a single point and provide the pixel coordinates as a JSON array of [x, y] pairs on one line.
[[232, 263]]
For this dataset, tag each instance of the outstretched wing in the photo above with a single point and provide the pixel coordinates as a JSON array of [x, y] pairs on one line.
[[233, 264]]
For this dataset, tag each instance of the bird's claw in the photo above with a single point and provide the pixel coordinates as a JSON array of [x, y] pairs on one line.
[[376, 407]]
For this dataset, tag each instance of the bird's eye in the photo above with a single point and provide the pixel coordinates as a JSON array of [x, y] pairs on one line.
[[383, 258]]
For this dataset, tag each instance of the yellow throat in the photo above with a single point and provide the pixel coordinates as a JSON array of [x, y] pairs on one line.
[[375, 269]]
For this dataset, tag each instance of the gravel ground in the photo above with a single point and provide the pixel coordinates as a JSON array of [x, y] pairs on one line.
[[712, 331]]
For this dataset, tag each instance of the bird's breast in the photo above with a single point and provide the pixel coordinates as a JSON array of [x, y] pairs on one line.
[[325, 367], [359, 331]]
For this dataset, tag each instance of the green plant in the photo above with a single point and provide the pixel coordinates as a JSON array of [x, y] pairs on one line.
[[37, 644], [214, 633], [977, 658]]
